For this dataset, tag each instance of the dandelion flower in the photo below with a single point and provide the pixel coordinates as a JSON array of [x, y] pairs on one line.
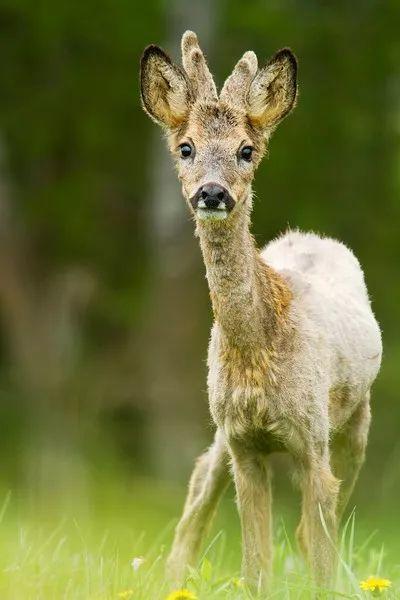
[[181, 595], [125, 594], [137, 562], [375, 584]]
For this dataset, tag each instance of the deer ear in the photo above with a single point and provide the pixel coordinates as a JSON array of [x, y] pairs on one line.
[[165, 89], [272, 93]]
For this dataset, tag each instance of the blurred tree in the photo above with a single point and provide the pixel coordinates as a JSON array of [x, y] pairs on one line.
[[93, 199], [67, 117]]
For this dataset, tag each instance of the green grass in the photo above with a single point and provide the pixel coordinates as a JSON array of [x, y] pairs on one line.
[[56, 548]]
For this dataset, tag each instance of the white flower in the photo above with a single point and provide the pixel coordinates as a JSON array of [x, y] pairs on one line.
[[289, 565], [137, 562]]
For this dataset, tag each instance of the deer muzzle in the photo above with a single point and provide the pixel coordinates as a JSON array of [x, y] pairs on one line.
[[212, 201]]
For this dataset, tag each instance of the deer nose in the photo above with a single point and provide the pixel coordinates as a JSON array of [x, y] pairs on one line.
[[213, 194]]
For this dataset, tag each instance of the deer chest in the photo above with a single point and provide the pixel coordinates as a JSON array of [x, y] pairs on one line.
[[241, 386]]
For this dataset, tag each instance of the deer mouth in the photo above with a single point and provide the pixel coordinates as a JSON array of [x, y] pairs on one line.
[[218, 212]]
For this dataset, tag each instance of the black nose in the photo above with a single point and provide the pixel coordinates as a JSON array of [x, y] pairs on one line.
[[213, 194]]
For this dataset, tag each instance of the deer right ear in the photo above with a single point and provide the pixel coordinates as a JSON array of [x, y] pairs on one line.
[[165, 89], [272, 93]]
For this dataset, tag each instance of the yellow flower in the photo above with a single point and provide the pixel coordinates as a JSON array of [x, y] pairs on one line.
[[125, 595], [375, 584], [181, 595]]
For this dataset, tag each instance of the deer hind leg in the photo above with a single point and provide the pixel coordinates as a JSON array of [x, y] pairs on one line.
[[209, 480], [302, 537], [253, 489], [317, 532], [348, 452]]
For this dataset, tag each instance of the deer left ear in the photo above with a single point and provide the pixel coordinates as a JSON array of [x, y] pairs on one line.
[[273, 91], [165, 90]]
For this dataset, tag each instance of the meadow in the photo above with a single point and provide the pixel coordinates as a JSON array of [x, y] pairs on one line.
[[87, 551]]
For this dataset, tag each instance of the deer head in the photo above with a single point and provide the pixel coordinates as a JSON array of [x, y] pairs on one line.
[[217, 140]]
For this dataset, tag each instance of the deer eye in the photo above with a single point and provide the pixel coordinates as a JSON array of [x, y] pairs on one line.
[[246, 153], [186, 150]]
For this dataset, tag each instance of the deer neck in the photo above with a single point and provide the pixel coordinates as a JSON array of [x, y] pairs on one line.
[[249, 298]]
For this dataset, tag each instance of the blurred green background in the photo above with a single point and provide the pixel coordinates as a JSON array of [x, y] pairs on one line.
[[105, 314]]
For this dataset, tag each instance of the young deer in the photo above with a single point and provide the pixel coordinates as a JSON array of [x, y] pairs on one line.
[[294, 347]]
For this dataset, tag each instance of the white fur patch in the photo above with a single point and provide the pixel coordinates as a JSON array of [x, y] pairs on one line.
[[214, 214]]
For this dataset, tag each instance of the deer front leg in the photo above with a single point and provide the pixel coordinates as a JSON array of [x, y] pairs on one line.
[[317, 534], [209, 480], [253, 489]]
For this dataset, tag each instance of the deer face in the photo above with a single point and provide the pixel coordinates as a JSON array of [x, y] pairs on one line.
[[217, 141]]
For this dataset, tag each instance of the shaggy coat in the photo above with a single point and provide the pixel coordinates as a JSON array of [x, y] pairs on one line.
[[294, 347]]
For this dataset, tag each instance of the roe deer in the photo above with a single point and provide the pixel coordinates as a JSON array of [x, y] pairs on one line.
[[294, 347]]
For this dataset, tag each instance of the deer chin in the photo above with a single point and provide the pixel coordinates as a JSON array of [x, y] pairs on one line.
[[211, 214]]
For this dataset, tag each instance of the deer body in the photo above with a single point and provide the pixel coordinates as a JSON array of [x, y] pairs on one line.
[[294, 347], [326, 336]]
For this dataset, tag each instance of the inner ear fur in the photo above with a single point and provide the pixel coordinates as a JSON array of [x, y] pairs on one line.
[[164, 87], [273, 91]]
